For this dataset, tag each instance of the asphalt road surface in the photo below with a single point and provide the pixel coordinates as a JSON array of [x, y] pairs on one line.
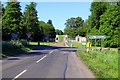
[[45, 62]]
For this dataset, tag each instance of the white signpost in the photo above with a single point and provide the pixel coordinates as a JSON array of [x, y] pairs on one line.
[[97, 37], [14, 36], [28, 35]]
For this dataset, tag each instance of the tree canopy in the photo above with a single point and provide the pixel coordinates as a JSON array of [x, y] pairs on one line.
[[74, 22], [48, 29], [105, 20], [75, 26], [109, 25], [23, 23], [97, 9], [11, 18], [59, 32]]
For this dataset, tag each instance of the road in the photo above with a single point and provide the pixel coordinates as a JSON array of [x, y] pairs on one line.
[[45, 62]]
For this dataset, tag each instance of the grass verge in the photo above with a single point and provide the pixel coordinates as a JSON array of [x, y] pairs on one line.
[[61, 38], [14, 47], [76, 44], [104, 64], [41, 43]]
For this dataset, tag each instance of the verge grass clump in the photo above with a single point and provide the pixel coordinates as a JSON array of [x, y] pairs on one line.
[[13, 47], [104, 64]]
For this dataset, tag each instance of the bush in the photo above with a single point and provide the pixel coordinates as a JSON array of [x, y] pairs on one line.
[[16, 43], [14, 47], [24, 42]]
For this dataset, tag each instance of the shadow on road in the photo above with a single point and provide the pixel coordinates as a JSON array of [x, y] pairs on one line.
[[44, 47], [38, 50]]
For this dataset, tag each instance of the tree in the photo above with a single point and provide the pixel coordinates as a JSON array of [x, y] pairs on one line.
[[74, 26], [50, 22], [74, 22], [47, 29], [59, 32], [11, 19], [109, 25], [2, 9], [29, 22], [97, 9], [52, 30], [83, 29]]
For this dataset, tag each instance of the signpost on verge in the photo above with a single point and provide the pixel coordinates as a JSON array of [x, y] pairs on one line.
[[14, 36], [97, 37], [28, 36]]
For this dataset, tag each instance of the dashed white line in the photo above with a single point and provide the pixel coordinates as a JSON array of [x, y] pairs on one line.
[[44, 57], [19, 74], [41, 59], [51, 51]]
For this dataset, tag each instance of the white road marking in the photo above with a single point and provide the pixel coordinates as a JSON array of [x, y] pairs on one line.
[[41, 59], [19, 74], [51, 52]]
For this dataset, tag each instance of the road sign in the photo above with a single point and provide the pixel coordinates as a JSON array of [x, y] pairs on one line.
[[69, 41], [96, 37], [28, 35], [14, 36]]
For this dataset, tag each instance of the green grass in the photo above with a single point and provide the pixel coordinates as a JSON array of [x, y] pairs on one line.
[[12, 48], [15, 47], [104, 64], [61, 38], [41, 43], [77, 44]]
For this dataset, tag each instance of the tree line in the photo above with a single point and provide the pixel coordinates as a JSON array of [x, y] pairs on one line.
[[75, 26], [104, 20], [14, 21]]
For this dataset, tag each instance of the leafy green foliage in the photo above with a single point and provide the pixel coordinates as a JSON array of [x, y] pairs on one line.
[[50, 22], [51, 29], [47, 29], [1, 14], [11, 18], [71, 32], [13, 47], [74, 22], [61, 38], [29, 21], [59, 32], [97, 9], [105, 20], [109, 24], [2, 9], [75, 26]]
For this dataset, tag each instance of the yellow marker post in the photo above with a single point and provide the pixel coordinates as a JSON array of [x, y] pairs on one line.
[[88, 46]]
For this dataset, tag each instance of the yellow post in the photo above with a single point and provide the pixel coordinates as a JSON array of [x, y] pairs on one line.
[[88, 46]]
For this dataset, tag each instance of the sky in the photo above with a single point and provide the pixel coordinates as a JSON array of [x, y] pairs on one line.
[[59, 12]]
